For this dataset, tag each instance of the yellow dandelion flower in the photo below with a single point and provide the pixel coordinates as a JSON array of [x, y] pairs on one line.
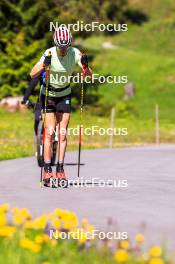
[[60, 213], [139, 238], [82, 239], [53, 242], [35, 248], [25, 242], [56, 223], [20, 215], [66, 217], [46, 238], [79, 234], [25, 213], [39, 239], [73, 217], [29, 224], [68, 225], [121, 255], [30, 245], [156, 261], [7, 231], [124, 244], [40, 222], [4, 208], [18, 219], [57, 211], [3, 219], [42, 239], [155, 251]]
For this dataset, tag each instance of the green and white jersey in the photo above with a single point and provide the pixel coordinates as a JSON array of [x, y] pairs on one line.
[[61, 69]]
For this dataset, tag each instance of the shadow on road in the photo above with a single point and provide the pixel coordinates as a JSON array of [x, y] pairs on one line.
[[76, 184], [71, 164]]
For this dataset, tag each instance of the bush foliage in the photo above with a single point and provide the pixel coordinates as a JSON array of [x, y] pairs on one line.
[[25, 32]]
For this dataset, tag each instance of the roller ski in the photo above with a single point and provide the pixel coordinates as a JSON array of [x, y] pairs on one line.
[[47, 175]]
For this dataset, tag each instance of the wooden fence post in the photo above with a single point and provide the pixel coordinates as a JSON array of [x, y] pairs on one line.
[[112, 126], [157, 130]]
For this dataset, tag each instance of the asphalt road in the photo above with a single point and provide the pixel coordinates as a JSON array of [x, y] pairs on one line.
[[146, 202]]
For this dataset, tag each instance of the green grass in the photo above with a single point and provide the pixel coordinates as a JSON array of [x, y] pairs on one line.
[[64, 252], [17, 138], [155, 37], [16, 134], [149, 76], [155, 9]]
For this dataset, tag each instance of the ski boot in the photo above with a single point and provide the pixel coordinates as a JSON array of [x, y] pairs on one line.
[[60, 175], [47, 174]]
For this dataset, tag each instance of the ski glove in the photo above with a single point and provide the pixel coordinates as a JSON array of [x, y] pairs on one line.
[[23, 101], [47, 60], [28, 103], [84, 61]]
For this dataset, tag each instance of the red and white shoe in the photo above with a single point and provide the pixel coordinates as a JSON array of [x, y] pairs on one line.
[[62, 179]]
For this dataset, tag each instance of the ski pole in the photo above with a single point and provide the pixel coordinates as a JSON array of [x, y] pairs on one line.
[[44, 120], [80, 128], [84, 62]]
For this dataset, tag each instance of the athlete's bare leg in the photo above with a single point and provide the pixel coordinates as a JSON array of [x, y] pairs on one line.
[[63, 121], [50, 122]]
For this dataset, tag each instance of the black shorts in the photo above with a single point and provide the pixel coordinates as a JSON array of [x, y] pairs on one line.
[[56, 104]]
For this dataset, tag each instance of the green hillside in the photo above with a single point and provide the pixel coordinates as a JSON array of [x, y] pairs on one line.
[[156, 9], [145, 55]]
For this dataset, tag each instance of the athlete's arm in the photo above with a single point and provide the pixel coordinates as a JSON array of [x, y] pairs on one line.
[[82, 61], [37, 69], [39, 66], [29, 91]]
